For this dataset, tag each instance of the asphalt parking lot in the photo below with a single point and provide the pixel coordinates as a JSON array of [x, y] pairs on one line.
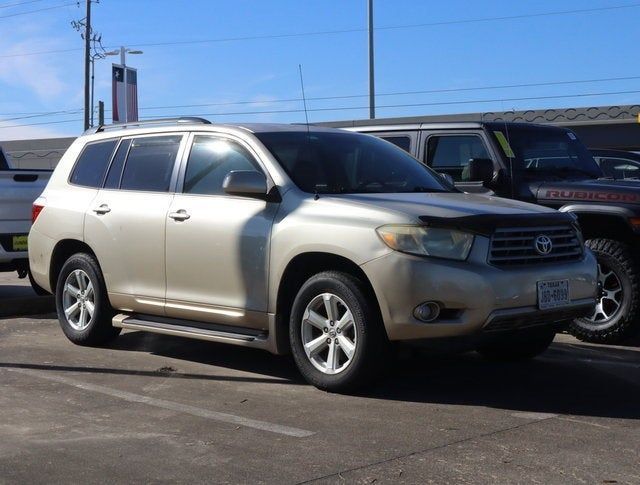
[[152, 408]]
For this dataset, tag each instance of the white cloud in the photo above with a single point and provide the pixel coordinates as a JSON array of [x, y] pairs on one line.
[[10, 132], [37, 73]]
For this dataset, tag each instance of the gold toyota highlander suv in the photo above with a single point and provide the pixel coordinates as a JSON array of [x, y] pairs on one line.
[[327, 244]]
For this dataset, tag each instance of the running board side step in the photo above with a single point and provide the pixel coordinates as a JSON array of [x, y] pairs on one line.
[[196, 330]]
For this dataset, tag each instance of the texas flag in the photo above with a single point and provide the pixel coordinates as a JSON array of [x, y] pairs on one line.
[[124, 94]]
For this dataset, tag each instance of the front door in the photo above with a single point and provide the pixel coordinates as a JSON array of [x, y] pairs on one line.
[[450, 154], [217, 244]]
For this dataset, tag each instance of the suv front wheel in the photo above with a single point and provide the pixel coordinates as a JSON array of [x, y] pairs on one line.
[[337, 338], [82, 304]]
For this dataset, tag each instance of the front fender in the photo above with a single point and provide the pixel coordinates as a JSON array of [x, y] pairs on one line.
[[622, 213]]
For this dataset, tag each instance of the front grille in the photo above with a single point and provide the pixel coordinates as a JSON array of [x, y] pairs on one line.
[[516, 245]]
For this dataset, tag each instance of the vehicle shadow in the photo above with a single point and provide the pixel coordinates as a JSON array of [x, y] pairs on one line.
[[567, 379], [210, 353]]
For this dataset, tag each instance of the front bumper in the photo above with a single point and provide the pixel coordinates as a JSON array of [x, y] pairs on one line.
[[477, 297]]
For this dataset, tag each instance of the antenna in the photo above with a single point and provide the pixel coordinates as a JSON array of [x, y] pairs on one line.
[[304, 98], [306, 116]]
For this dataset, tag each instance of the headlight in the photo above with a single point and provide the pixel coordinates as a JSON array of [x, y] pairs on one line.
[[427, 241]]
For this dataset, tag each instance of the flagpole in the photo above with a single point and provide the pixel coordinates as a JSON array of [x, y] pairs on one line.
[[124, 78]]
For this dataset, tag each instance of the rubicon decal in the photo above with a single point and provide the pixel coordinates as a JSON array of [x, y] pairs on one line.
[[589, 195]]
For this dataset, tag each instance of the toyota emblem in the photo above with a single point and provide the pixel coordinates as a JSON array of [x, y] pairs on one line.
[[543, 245]]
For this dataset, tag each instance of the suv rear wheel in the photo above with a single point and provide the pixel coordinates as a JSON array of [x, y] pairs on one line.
[[82, 304], [336, 335], [618, 306]]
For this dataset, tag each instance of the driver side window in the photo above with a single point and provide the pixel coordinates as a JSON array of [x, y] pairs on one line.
[[210, 160], [450, 154]]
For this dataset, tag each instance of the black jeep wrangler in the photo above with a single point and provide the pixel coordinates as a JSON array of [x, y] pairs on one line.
[[545, 165]]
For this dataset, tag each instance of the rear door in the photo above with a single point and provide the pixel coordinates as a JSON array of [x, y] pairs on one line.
[[126, 222]]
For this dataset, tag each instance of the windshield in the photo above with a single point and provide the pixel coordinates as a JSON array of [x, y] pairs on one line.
[[541, 151], [349, 163]]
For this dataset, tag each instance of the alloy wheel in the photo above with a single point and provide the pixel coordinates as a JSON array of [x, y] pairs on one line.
[[78, 299], [329, 334], [610, 295]]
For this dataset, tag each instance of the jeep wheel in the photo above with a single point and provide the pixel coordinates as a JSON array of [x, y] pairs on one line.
[[82, 304], [523, 346], [618, 306], [337, 338]]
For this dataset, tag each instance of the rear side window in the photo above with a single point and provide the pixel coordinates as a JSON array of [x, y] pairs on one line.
[[150, 163], [115, 170], [403, 142], [451, 154], [210, 160], [92, 164]]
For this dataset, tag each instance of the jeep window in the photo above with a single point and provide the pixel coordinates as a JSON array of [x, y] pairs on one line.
[[150, 163], [547, 152], [403, 142], [450, 154], [341, 163], [210, 160], [92, 164], [619, 168]]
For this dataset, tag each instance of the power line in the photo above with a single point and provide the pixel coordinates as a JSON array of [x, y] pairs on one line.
[[341, 31], [7, 5], [512, 17], [412, 105], [351, 108], [34, 11], [27, 115]]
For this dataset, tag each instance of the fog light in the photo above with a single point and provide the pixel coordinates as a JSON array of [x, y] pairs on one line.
[[427, 312]]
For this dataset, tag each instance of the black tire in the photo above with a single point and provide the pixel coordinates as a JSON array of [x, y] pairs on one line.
[[39, 290], [371, 349], [99, 329], [623, 323], [523, 346]]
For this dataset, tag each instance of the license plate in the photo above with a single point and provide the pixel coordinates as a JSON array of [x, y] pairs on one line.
[[19, 243], [552, 294]]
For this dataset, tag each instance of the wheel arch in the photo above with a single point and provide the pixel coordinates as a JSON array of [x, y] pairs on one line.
[[64, 249], [298, 270], [598, 221]]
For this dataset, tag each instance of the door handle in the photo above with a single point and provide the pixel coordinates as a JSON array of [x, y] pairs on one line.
[[180, 215], [102, 209]]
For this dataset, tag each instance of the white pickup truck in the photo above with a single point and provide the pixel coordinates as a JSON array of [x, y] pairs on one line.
[[18, 190]]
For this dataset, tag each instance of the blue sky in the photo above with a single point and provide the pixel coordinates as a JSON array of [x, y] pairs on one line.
[[578, 46]]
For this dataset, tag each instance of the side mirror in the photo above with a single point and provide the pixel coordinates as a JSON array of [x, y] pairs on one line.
[[448, 178], [249, 183], [481, 170]]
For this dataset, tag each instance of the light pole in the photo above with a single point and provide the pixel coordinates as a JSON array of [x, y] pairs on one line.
[[94, 57], [372, 89], [123, 51]]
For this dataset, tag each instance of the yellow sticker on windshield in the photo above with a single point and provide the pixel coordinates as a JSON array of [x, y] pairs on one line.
[[504, 144]]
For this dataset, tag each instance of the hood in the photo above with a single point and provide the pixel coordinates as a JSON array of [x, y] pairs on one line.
[[597, 190], [442, 205]]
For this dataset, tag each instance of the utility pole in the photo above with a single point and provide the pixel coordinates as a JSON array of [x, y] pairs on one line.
[[87, 60], [372, 88]]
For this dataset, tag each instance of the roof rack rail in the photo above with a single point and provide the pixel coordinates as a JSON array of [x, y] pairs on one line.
[[139, 124]]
